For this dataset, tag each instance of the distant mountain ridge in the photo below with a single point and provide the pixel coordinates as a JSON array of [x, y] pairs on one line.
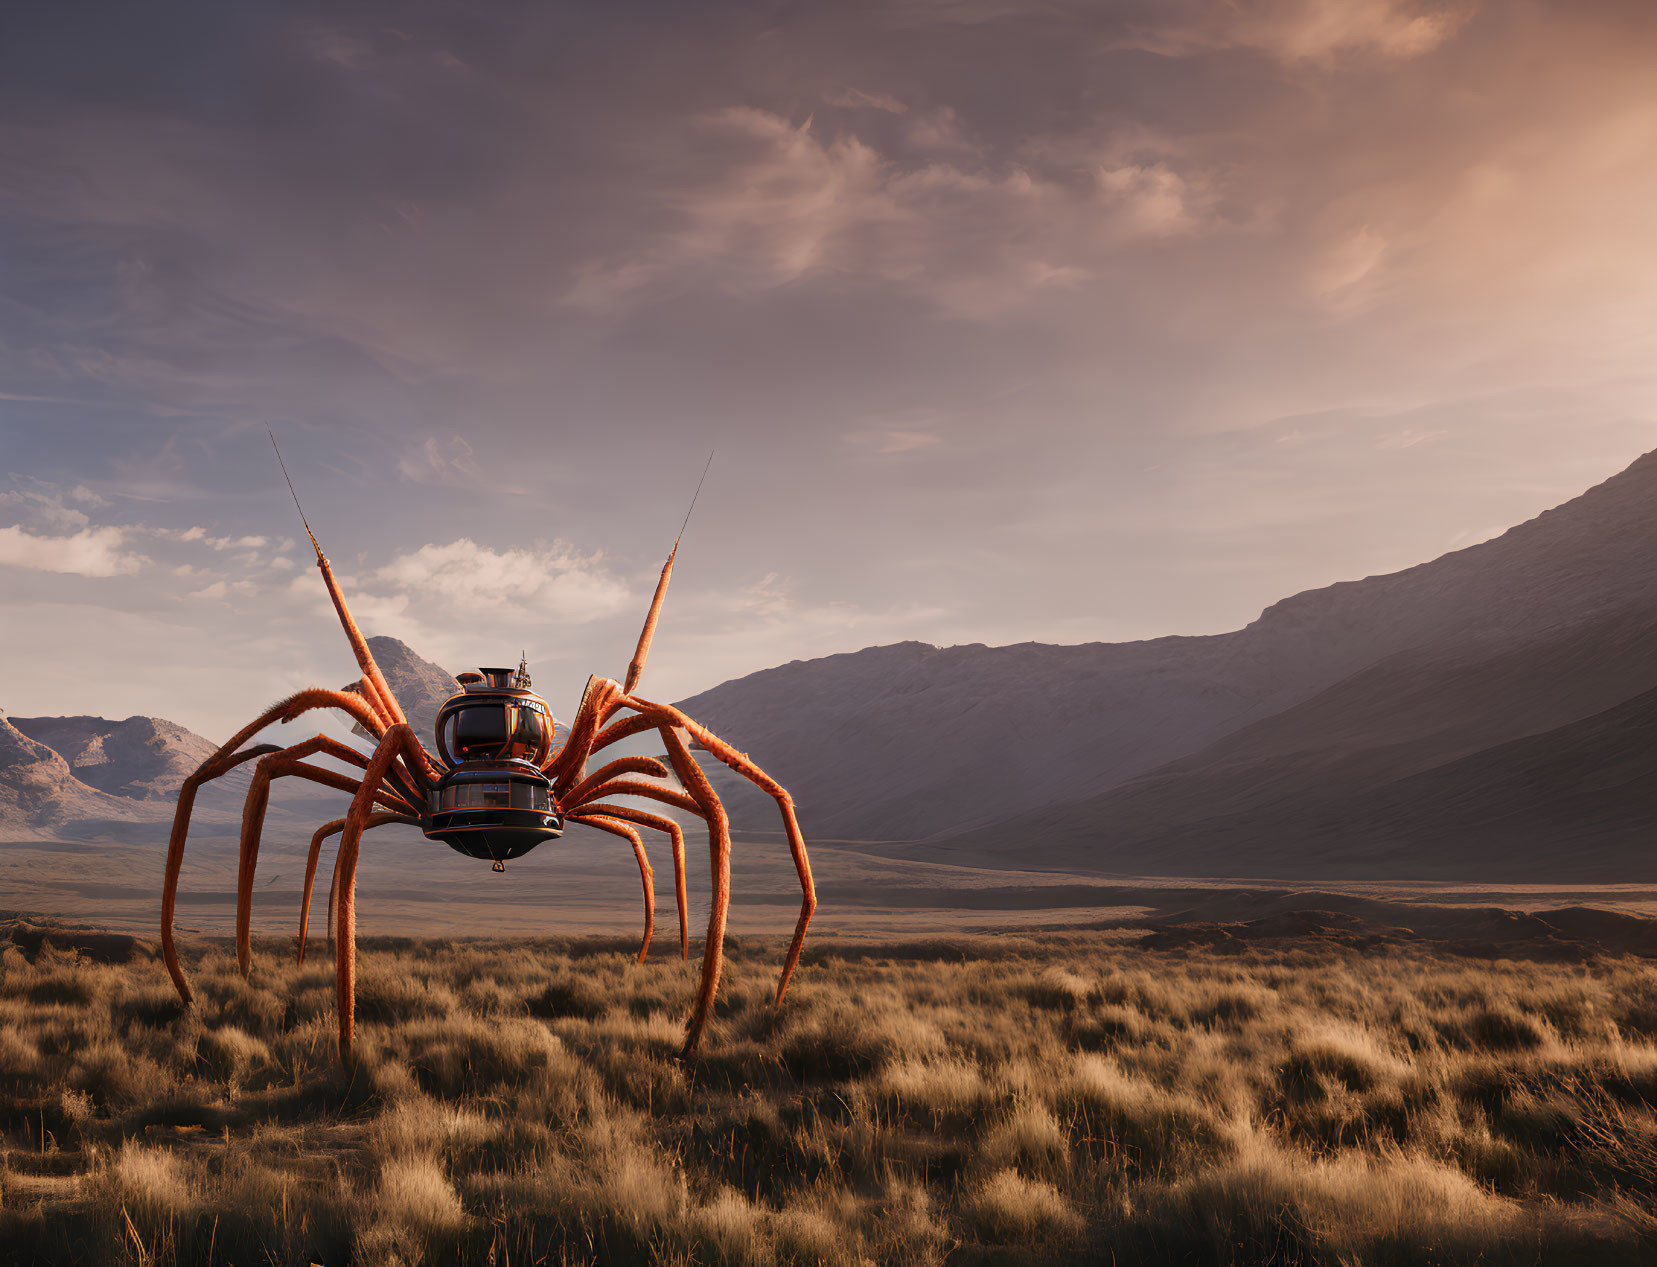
[[420, 686], [143, 758], [1490, 713], [1233, 752], [63, 773], [39, 791]]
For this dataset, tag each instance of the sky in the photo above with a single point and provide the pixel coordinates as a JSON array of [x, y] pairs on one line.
[[1003, 321]]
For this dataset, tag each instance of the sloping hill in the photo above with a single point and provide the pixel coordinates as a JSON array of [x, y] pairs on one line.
[[1495, 762], [39, 791], [915, 742], [419, 685], [143, 758], [85, 772]]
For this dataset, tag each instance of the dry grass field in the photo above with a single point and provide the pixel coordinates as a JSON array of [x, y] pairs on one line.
[[1066, 1098]]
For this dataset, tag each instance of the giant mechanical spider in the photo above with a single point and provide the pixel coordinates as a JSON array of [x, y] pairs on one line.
[[494, 789]]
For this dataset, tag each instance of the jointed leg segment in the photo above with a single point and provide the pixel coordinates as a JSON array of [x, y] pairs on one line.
[[397, 740], [322, 833], [277, 765], [676, 834], [618, 828], [227, 758]]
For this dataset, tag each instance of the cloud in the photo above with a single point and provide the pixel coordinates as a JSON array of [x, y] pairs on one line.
[[453, 463], [223, 589], [558, 580], [1305, 30], [900, 435], [90, 552], [1409, 438], [906, 441], [938, 129], [198, 533], [1347, 263], [45, 509], [1061, 258], [777, 204], [435, 461], [765, 620], [858, 99]]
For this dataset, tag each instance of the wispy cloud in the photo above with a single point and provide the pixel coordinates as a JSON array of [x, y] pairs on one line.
[[557, 580], [782, 203], [1304, 30], [97, 552], [848, 98], [953, 283], [452, 462]]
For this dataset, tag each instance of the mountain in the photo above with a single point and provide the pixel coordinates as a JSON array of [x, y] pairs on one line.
[[142, 758], [38, 790], [1234, 751], [1511, 762], [1490, 714], [69, 772], [420, 686], [83, 772]]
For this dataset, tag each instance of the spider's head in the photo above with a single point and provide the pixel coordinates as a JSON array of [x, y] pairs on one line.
[[496, 717]]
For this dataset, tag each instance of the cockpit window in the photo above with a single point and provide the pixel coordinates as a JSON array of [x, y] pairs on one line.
[[480, 729]]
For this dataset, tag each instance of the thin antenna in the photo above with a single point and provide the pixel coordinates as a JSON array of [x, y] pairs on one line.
[[295, 495], [636, 669], [693, 498]]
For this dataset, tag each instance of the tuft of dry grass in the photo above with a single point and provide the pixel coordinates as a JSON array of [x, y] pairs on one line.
[[1059, 1099]]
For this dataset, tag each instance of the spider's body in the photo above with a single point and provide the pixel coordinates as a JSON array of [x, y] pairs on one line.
[[494, 802], [495, 787]]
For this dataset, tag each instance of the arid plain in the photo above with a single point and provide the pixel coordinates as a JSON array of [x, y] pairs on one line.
[[971, 1067]]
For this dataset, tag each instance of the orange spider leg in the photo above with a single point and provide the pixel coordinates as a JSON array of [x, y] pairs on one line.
[[614, 732], [399, 779], [622, 765], [275, 766], [567, 765], [719, 849], [220, 763], [618, 828], [398, 738], [635, 670], [743, 765], [621, 729], [675, 833], [322, 833], [375, 687], [634, 787]]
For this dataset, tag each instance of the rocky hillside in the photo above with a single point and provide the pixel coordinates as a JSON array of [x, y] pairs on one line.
[[38, 790], [74, 773], [419, 685], [143, 758], [1516, 762], [1488, 713], [1107, 754]]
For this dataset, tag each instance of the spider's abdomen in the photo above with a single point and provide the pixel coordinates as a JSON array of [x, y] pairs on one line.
[[495, 803]]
